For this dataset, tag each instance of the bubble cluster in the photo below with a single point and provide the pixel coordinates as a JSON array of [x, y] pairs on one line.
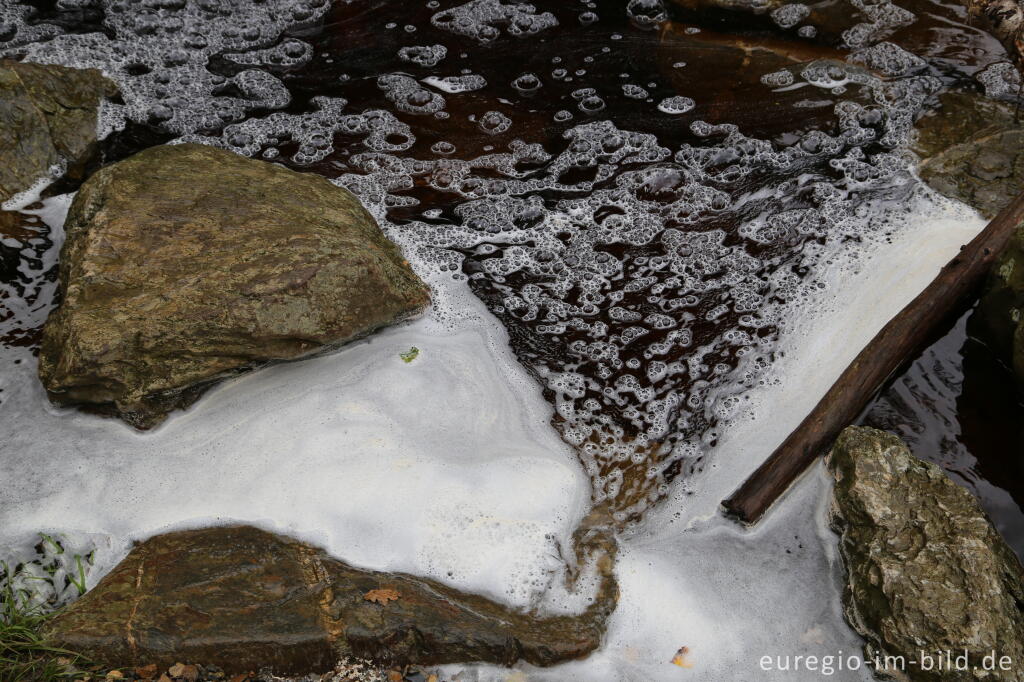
[[788, 16], [424, 55], [883, 17], [456, 84], [676, 105], [51, 571], [888, 59], [646, 14], [494, 123], [484, 20], [1001, 80], [312, 134], [634, 91], [409, 96]]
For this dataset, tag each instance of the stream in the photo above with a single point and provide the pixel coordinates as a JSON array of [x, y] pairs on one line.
[[655, 233]]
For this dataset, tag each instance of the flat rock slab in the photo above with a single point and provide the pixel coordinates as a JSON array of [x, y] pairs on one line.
[[242, 598], [186, 264], [926, 571], [48, 116]]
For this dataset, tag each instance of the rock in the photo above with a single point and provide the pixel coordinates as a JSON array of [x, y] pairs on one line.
[[926, 571], [242, 598], [146, 672], [972, 150], [186, 264], [180, 671], [1001, 308], [48, 115]]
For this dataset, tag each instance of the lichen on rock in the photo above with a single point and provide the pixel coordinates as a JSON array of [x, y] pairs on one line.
[[185, 264], [925, 569]]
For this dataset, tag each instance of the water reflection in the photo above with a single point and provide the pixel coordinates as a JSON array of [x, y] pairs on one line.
[[958, 406]]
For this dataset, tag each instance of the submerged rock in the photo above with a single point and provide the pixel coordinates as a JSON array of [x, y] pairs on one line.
[[972, 150], [1001, 308], [242, 598], [926, 571], [48, 116], [186, 264]]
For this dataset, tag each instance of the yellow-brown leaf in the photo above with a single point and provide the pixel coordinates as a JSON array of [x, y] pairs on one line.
[[381, 596]]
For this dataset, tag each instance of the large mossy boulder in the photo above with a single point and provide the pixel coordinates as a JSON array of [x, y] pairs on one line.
[[243, 599], [926, 571], [186, 264], [48, 117]]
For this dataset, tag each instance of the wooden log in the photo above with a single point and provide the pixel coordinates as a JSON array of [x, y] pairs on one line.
[[898, 341]]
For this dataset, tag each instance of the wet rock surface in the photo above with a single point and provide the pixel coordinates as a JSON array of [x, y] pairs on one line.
[[972, 151], [184, 265], [48, 116], [1001, 306], [926, 571], [243, 599]]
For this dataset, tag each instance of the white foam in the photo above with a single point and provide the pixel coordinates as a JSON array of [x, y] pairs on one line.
[[445, 466], [690, 578]]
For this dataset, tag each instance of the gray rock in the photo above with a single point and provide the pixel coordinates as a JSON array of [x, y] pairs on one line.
[[185, 264], [48, 115], [926, 571]]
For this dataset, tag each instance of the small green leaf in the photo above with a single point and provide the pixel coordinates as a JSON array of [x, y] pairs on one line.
[[409, 355]]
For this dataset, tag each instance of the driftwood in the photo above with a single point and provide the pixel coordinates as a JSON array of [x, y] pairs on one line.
[[898, 341]]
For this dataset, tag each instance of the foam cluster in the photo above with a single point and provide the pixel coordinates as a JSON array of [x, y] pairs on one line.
[[484, 20], [313, 132], [788, 16], [423, 55]]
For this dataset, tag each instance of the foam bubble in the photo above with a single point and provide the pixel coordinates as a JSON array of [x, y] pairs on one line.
[[788, 16], [676, 105], [424, 55], [456, 84]]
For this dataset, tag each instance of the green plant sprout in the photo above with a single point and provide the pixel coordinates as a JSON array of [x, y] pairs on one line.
[[25, 655]]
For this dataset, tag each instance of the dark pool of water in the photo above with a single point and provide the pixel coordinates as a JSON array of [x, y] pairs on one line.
[[957, 405]]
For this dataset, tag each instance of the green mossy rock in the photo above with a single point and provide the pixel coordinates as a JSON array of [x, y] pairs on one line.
[[242, 599], [186, 264], [926, 571], [48, 116]]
